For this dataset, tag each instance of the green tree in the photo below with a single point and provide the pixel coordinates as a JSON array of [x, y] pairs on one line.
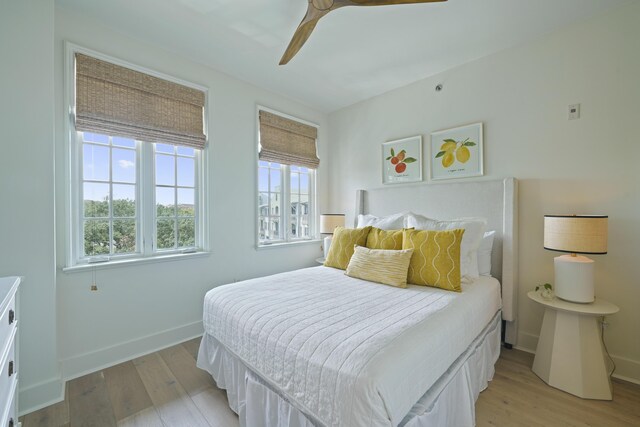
[[96, 237], [96, 227], [165, 233]]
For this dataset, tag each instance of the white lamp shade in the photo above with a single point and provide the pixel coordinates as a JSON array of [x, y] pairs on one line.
[[329, 222], [579, 234]]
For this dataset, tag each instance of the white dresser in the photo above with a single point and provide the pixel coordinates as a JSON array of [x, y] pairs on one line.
[[8, 359]]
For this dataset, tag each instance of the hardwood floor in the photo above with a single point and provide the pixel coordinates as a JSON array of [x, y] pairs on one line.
[[517, 397], [160, 389], [166, 389]]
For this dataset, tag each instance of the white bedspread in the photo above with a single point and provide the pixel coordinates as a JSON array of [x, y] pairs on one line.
[[345, 351]]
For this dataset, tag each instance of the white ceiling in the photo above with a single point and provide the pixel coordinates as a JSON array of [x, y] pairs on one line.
[[353, 54]]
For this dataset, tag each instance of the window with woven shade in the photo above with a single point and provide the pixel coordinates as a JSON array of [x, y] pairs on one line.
[[116, 100], [287, 141], [137, 162], [287, 163]]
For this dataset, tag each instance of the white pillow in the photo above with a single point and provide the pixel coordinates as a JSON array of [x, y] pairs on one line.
[[415, 218], [484, 253], [391, 222], [473, 232]]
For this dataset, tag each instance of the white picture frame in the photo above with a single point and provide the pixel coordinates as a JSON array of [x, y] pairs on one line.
[[402, 160], [456, 152]]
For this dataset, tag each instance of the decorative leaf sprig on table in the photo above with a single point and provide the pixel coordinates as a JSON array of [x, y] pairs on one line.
[[546, 286], [452, 150], [400, 161], [547, 291]]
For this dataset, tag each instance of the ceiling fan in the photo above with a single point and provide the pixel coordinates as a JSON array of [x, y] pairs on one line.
[[319, 8]]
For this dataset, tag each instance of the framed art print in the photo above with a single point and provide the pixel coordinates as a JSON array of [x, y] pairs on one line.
[[402, 160], [456, 152]]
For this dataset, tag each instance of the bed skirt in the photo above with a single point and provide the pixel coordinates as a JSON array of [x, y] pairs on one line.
[[450, 401]]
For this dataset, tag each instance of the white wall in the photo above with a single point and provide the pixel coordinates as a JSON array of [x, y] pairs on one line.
[[27, 186], [583, 166], [140, 308]]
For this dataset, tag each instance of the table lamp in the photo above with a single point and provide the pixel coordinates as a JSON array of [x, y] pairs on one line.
[[328, 223], [575, 234]]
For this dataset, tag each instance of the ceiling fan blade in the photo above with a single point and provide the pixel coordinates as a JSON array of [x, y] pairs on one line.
[[318, 8], [389, 2], [299, 38]]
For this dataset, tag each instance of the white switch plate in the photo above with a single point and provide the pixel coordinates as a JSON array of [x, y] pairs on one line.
[[574, 111]]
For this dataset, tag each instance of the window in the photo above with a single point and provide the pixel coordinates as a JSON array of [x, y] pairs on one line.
[[286, 179], [137, 162], [110, 220], [284, 185], [114, 218], [175, 186], [270, 200], [300, 199]]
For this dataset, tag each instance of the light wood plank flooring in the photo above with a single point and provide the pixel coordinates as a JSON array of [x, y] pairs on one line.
[[166, 389]]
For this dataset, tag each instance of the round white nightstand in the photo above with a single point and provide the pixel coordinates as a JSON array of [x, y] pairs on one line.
[[570, 354], [320, 260]]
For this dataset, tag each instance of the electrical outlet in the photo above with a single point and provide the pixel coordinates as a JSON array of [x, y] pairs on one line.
[[574, 111]]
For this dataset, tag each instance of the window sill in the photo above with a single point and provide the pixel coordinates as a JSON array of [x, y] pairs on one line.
[[260, 247], [132, 262]]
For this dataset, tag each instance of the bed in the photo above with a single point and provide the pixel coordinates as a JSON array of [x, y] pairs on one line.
[[314, 347]]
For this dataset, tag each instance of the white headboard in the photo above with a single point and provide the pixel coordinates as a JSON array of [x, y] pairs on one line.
[[495, 200]]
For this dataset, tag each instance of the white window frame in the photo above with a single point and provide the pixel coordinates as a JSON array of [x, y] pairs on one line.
[[145, 162], [285, 211]]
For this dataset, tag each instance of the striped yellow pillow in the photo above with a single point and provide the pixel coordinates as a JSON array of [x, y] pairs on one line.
[[342, 245], [384, 239], [379, 265], [436, 258]]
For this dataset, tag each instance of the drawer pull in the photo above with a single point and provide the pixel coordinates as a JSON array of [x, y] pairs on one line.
[[11, 368], [12, 316]]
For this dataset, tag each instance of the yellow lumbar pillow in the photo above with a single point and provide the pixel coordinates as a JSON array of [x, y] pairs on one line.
[[384, 239], [379, 265], [436, 257], [342, 245]]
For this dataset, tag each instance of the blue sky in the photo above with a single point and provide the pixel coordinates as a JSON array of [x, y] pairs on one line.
[[96, 167], [263, 179]]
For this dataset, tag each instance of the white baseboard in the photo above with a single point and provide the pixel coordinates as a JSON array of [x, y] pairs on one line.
[[49, 392], [626, 369], [83, 364], [40, 395], [527, 342]]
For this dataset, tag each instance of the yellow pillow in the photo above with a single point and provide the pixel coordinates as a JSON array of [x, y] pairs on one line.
[[384, 239], [436, 258], [342, 245], [379, 265]]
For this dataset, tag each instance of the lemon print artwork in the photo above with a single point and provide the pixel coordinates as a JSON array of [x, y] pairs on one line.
[[452, 150]]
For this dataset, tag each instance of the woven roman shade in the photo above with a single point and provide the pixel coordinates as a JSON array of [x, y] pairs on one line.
[[119, 101], [287, 141]]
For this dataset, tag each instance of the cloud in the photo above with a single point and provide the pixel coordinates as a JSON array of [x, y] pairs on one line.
[[126, 164]]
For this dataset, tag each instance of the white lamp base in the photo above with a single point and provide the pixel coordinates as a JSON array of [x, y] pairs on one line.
[[326, 245], [574, 278]]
